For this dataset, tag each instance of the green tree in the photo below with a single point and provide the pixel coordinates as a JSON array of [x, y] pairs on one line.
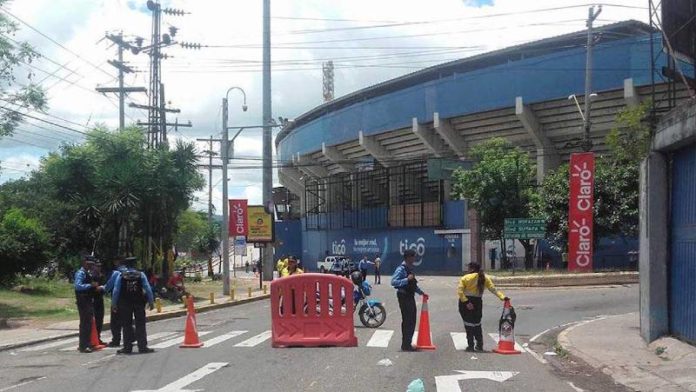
[[190, 225], [498, 186], [208, 243], [12, 55], [616, 195], [24, 245]]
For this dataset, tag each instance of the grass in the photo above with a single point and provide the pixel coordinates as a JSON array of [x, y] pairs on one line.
[[202, 289], [560, 351]]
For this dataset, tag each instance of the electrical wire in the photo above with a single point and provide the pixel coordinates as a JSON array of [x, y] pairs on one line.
[[44, 121]]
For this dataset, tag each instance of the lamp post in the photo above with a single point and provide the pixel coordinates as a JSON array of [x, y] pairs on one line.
[[225, 202], [587, 143]]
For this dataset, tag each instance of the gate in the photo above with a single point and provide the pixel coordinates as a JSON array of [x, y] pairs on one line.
[[682, 301]]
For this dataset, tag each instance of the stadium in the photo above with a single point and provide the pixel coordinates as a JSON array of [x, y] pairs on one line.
[[368, 173]]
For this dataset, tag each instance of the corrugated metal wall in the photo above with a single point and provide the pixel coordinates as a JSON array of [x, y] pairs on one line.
[[683, 246]]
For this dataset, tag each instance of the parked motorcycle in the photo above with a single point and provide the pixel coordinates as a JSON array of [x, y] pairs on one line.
[[371, 311]]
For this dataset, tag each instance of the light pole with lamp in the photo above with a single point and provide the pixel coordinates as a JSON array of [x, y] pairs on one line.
[[225, 202], [586, 141]]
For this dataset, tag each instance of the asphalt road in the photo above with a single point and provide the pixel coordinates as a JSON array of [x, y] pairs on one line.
[[235, 363]]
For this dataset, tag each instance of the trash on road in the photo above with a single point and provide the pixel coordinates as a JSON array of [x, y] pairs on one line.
[[385, 362], [416, 386]]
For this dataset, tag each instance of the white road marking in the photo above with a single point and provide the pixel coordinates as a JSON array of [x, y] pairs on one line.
[[222, 338], [450, 383], [21, 384], [51, 345], [177, 340], [178, 385], [99, 360], [459, 340], [575, 388], [495, 337], [380, 338], [255, 340]]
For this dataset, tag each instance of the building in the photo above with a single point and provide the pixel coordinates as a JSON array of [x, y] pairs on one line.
[[371, 169]]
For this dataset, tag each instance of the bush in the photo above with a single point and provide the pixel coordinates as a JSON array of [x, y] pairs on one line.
[[197, 278], [24, 245]]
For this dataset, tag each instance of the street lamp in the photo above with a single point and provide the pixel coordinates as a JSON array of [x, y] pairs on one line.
[[225, 203], [585, 120]]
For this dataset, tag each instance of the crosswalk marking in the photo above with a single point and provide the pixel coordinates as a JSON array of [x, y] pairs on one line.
[[51, 345], [255, 340], [222, 338], [380, 338], [495, 337], [459, 340], [176, 340]]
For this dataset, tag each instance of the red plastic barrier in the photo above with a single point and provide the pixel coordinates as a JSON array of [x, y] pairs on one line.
[[307, 311]]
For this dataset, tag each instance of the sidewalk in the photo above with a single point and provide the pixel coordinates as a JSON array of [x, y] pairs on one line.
[[23, 336], [613, 345]]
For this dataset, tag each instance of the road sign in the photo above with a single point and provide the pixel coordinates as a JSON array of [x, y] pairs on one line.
[[451, 383], [240, 246], [524, 228]]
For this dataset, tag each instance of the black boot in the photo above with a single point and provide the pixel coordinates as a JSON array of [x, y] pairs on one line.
[[478, 335], [469, 338]]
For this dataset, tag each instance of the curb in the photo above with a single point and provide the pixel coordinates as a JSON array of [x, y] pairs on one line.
[[565, 342], [562, 280], [149, 318]]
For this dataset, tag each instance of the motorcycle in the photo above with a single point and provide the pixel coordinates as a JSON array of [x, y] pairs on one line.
[[371, 311]]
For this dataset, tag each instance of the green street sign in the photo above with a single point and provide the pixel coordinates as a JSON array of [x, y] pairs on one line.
[[524, 228]]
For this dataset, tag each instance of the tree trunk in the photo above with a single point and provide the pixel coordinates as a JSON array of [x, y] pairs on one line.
[[503, 255], [210, 265], [528, 254]]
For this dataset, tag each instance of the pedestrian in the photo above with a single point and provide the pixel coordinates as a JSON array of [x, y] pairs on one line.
[[84, 296], [406, 285], [362, 266], [131, 292], [378, 274], [98, 276], [470, 290], [115, 321], [246, 266]]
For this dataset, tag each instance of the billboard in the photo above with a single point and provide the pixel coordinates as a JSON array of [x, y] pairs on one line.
[[580, 212], [260, 224], [238, 224]]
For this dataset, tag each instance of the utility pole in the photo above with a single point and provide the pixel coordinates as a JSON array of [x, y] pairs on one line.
[[267, 251], [122, 70], [210, 152], [225, 203], [592, 15]]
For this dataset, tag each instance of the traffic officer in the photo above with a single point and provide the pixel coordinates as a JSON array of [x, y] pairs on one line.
[[291, 268], [85, 288], [131, 291], [470, 290], [281, 265], [406, 285], [98, 276], [115, 323]]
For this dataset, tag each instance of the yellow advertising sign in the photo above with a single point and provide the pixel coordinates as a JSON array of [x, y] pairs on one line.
[[260, 225]]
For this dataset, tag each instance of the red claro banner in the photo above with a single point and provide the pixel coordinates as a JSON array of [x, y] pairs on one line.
[[580, 217], [239, 223]]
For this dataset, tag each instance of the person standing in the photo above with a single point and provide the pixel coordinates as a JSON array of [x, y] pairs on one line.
[[470, 291], [406, 285], [292, 268], [115, 322], [378, 274], [129, 302], [84, 294], [362, 266], [98, 276]]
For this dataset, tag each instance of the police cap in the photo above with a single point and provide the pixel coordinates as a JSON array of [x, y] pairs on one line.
[[130, 261], [409, 253]]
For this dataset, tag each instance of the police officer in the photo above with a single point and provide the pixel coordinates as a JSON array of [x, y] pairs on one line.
[[406, 285], [85, 288], [98, 276], [129, 302], [115, 323]]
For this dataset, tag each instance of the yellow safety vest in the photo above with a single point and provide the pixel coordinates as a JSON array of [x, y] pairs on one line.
[[468, 287]]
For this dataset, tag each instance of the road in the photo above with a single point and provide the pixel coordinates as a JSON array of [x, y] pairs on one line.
[[241, 358]]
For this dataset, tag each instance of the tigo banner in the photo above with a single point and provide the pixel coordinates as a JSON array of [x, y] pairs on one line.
[[239, 224], [580, 216]]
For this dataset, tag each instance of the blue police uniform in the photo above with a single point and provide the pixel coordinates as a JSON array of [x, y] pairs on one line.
[[115, 324], [405, 293], [84, 293], [131, 292]]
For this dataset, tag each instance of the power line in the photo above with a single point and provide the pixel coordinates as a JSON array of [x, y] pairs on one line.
[[46, 114], [44, 121]]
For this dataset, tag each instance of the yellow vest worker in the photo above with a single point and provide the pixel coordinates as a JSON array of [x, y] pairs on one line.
[[470, 290], [291, 268], [281, 265]]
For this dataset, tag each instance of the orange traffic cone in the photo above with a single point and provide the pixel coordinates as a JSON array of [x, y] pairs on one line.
[[423, 342], [94, 337], [191, 332], [506, 335]]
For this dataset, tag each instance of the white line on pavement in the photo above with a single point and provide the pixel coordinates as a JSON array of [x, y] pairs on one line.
[[575, 388], [178, 385], [459, 340], [222, 338], [380, 338], [50, 345], [255, 340], [21, 384], [176, 340]]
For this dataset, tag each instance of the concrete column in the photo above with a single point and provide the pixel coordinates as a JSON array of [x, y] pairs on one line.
[[545, 161], [476, 250], [653, 262]]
